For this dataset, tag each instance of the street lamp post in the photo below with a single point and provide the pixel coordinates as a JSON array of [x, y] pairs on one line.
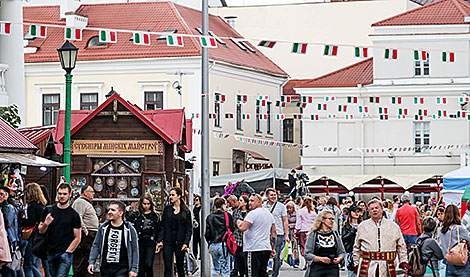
[[68, 57]]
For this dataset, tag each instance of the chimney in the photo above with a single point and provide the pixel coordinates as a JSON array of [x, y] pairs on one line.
[[68, 6], [76, 20]]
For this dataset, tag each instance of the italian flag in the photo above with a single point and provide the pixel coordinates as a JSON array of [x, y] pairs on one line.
[[174, 40], [375, 99], [441, 100], [267, 43], [330, 50], [383, 117], [363, 109], [331, 116], [330, 98], [141, 38], [286, 99], [280, 104], [342, 108], [73, 34], [299, 48], [280, 116], [442, 113], [208, 42], [420, 55], [245, 116], [352, 99], [242, 99], [314, 117], [212, 116], [297, 116], [383, 110], [396, 100], [38, 31], [5, 28], [195, 115], [391, 54], [307, 99], [448, 57], [361, 52], [402, 111], [423, 112], [219, 98], [301, 104], [229, 115], [401, 116], [108, 36], [349, 116], [418, 100], [322, 107], [464, 99], [461, 114]]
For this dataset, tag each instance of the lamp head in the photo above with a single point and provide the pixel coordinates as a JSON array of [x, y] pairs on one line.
[[68, 56]]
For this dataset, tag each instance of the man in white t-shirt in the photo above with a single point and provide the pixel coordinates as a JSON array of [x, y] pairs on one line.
[[259, 237], [279, 212]]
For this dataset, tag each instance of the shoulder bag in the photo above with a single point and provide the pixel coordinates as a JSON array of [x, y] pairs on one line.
[[39, 241], [458, 255]]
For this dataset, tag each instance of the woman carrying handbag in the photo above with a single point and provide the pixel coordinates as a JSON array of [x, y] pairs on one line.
[[454, 242]]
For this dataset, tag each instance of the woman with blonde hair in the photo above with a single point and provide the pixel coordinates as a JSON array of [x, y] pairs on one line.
[[36, 202], [324, 249]]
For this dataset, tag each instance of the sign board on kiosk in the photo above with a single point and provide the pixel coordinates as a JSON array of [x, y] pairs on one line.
[[465, 198]]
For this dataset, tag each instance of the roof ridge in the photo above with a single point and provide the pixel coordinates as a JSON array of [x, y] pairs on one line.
[[178, 14], [458, 5], [407, 12], [339, 70]]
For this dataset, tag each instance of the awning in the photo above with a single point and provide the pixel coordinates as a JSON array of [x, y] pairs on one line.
[[255, 155], [28, 159], [352, 181], [407, 181], [250, 176]]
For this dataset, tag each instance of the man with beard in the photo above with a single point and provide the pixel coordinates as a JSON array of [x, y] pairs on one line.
[[61, 224], [116, 243]]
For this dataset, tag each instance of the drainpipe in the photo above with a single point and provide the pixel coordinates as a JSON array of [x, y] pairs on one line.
[[359, 86], [280, 153]]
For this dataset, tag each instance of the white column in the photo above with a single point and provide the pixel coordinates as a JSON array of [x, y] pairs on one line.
[[12, 54]]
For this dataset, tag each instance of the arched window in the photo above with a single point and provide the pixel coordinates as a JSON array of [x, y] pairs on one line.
[[92, 42]]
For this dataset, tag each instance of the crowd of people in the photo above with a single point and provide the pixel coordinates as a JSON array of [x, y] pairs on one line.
[[243, 232]]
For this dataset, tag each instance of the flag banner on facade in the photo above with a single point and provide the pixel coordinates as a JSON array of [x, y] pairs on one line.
[[374, 99], [329, 149], [448, 57], [219, 98], [330, 50], [401, 116], [267, 43], [141, 38], [195, 115], [423, 112], [332, 116], [307, 99], [174, 40], [330, 98], [280, 116], [383, 110], [391, 54], [221, 135], [322, 107], [229, 115], [242, 99], [402, 111], [396, 100], [461, 114], [263, 116], [38, 31], [441, 100], [197, 131], [419, 117], [5, 28], [314, 117], [349, 117], [212, 116], [246, 116], [301, 105], [208, 42], [73, 34], [297, 116], [263, 97], [342, 108], [363, 109], [285, 99], [299, 48], [383, 117], [464, 99], [280, 104], [108, 36], [261, 102], [418, 100], [352, 99], [420, 55], [361, 52]]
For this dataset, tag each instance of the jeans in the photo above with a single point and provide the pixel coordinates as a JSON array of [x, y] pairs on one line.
[[168, 250], [46, 267], [220, 259], [240, 263], [59, 264], [31, 263], [277, 257], [81, 254], [350, 273], [442, 268], [146, 258], [409, 240], [453, 270]]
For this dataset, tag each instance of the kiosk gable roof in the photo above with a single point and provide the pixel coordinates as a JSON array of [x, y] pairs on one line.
[[12, 139]]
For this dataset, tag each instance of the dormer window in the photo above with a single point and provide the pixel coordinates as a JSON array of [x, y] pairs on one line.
[[170, 31], [421, 66], [94, 41], [219, 40]]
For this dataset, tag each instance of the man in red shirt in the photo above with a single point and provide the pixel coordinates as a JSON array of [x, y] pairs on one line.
[[408, 219]]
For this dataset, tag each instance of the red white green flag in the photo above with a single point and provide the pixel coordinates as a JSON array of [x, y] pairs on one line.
[[267, 43], [374, 99], [396, 100], [330, 50], [73, 34], [383, 110], [464, 99], [246, 116], [418, 101], [108, 36], [342, 108], [229, 115], [242, 99], [441, 100], [349, 117], [38, 31], [280, 116], [174, 40], [461, 114], [363, 109], [286, 99], [299, 48], [307, 99], [402, 111], [420, 55], [391, 54], [208, 42], [314, 117], [142, 38], [361, 52], [220, 98], [448, 57], [280, 104], [5, 28], [330, 98], [352, 99], [322, 107]]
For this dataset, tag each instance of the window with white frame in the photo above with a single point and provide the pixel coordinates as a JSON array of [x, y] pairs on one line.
[[50, 108], [421, 136], [215, 168], [269, 115], [239, 111], [153, 100], [88, 101], [258, 119], [422, 66], [288, 130], [218, 112]]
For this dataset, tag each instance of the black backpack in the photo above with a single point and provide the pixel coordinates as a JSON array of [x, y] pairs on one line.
[[415, 259]]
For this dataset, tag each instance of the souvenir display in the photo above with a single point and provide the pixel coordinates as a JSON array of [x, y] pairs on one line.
[[134, 182], [98, 187], [122, 184], [135, 164], [110, 181], [122, 194], [134, 192], [122, 169], [96, 166], [110, 168], [153, 186], [98, 210], [98, 180]]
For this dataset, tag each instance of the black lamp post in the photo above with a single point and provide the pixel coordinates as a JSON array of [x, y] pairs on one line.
[[68, 58]]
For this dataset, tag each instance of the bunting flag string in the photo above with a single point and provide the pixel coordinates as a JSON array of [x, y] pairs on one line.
[[210, 41]]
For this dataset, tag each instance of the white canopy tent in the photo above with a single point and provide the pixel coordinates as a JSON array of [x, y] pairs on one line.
[[454, 186]]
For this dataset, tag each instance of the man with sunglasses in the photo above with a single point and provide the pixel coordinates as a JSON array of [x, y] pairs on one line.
[[90, 224]]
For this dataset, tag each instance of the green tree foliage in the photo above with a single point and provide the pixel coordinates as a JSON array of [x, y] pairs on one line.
[[10, 115]]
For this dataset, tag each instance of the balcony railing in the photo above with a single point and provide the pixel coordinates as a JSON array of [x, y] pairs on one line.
[[3, 69]]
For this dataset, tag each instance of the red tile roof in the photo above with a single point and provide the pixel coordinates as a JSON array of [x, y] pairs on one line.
[[168, 124], [350, 76], [11, 140], [288, 88], [36, 134], [441, 12], [152, 16]]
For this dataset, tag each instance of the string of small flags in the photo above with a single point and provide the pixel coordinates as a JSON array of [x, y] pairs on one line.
[[212, 41]]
